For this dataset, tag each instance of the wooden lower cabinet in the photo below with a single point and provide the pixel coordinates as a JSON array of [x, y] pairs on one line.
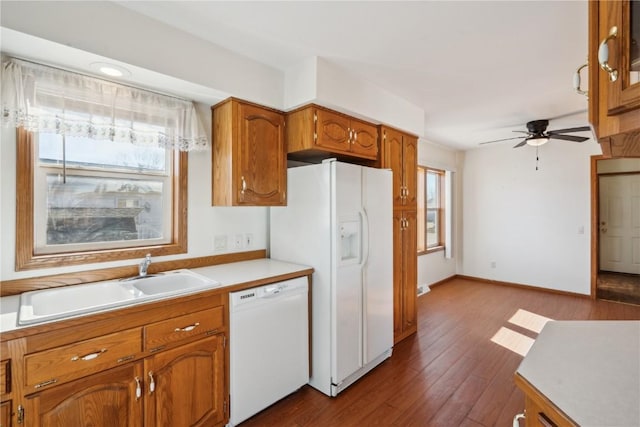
[[188, 385], [181, 387], [5, 414], [538, 410], [405, 274], [106, 399]]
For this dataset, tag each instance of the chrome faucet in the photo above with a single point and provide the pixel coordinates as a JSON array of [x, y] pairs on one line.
[[144, 265]]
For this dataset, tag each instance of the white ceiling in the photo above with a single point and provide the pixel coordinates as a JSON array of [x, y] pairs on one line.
[[478, 69]]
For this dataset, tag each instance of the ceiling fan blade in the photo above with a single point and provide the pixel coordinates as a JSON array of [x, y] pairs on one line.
[[500, 140], [569, 130], [521, 143], [568, 137]]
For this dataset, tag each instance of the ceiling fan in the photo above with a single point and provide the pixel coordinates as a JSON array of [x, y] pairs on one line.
[[537, 134]]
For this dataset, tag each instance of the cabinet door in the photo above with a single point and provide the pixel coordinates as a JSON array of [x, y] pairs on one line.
[[410, 170], [405, 273], [261, 171], [624, 92], [410, 273], [188, 386], [332, 131], [398, 304], [5, 414], [107, 399], [364, 139], [392, 159]]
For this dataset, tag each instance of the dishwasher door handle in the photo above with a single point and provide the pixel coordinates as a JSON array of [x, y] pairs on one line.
[[271, 291]]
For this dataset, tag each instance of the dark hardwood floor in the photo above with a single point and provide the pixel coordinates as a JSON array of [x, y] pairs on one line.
[[450, 373], [619, 287]]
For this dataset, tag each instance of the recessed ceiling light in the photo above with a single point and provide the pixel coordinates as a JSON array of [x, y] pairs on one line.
[[111, 70]]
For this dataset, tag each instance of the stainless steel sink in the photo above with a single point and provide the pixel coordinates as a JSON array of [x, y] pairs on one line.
[[69, 301]]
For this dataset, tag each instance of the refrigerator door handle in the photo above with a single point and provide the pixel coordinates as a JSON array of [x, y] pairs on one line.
[[364, 239]]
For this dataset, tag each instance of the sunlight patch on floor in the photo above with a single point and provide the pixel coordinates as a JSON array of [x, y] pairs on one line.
[[528, 320], [512, 340]]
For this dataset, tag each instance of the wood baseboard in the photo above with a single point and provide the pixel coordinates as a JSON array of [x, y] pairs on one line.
[[17, 286], [519, 285], [443, 281]]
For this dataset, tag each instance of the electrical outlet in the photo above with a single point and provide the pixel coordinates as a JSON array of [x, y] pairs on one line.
[[248, 240], [493, 264], [238, 241], [220, 243]]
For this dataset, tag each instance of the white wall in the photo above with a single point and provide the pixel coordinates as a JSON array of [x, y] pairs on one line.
[[434, 267], [535, 225], [204, 221], [112, 31]]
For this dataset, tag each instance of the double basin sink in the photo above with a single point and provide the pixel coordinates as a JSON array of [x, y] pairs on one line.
[[64, 302]]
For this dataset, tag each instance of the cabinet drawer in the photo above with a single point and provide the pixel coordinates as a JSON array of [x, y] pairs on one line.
[[158, 335], [79, 359]]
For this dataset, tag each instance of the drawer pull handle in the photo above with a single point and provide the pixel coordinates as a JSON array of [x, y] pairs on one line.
[[187, 328], [152, 383], [138, 388], [20, 417], [89, 356], [603, 55], [46, 383], [126, 358]]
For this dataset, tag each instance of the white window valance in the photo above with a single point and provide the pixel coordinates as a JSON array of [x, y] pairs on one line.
[[45, 99]]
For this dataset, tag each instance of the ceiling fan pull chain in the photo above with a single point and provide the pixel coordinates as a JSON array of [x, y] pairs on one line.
[[537, 158]]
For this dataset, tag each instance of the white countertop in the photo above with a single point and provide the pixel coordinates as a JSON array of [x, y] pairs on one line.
[[589, 369], [236, 273]]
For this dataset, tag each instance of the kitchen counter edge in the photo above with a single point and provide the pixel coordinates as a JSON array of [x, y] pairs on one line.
[[232, 276]]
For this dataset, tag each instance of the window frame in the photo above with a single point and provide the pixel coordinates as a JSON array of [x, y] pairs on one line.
[[440, 210], [26, 259]]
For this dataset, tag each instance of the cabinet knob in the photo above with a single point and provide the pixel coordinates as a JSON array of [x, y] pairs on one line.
[[603, 54], [244, 185]]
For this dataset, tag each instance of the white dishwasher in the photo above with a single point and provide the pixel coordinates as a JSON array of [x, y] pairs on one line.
[[269, 345]]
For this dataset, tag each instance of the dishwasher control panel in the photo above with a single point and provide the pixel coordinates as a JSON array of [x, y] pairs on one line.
[[266, 291]]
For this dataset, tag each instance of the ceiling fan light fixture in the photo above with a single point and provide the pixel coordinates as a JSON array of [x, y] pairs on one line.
[[537, 141]]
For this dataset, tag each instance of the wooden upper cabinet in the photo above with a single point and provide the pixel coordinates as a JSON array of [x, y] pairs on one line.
[[400, 154], [364, 139], [248, 155], [331, 131], [317, 131], [614, 81]]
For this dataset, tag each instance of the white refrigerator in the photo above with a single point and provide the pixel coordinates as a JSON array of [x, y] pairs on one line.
[[339, 221]]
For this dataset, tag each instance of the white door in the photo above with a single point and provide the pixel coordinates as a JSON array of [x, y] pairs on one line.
[[620, 223]]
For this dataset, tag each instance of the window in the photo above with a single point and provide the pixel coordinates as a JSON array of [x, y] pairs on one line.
[[101, 167], [431, 215], [84, 200]]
